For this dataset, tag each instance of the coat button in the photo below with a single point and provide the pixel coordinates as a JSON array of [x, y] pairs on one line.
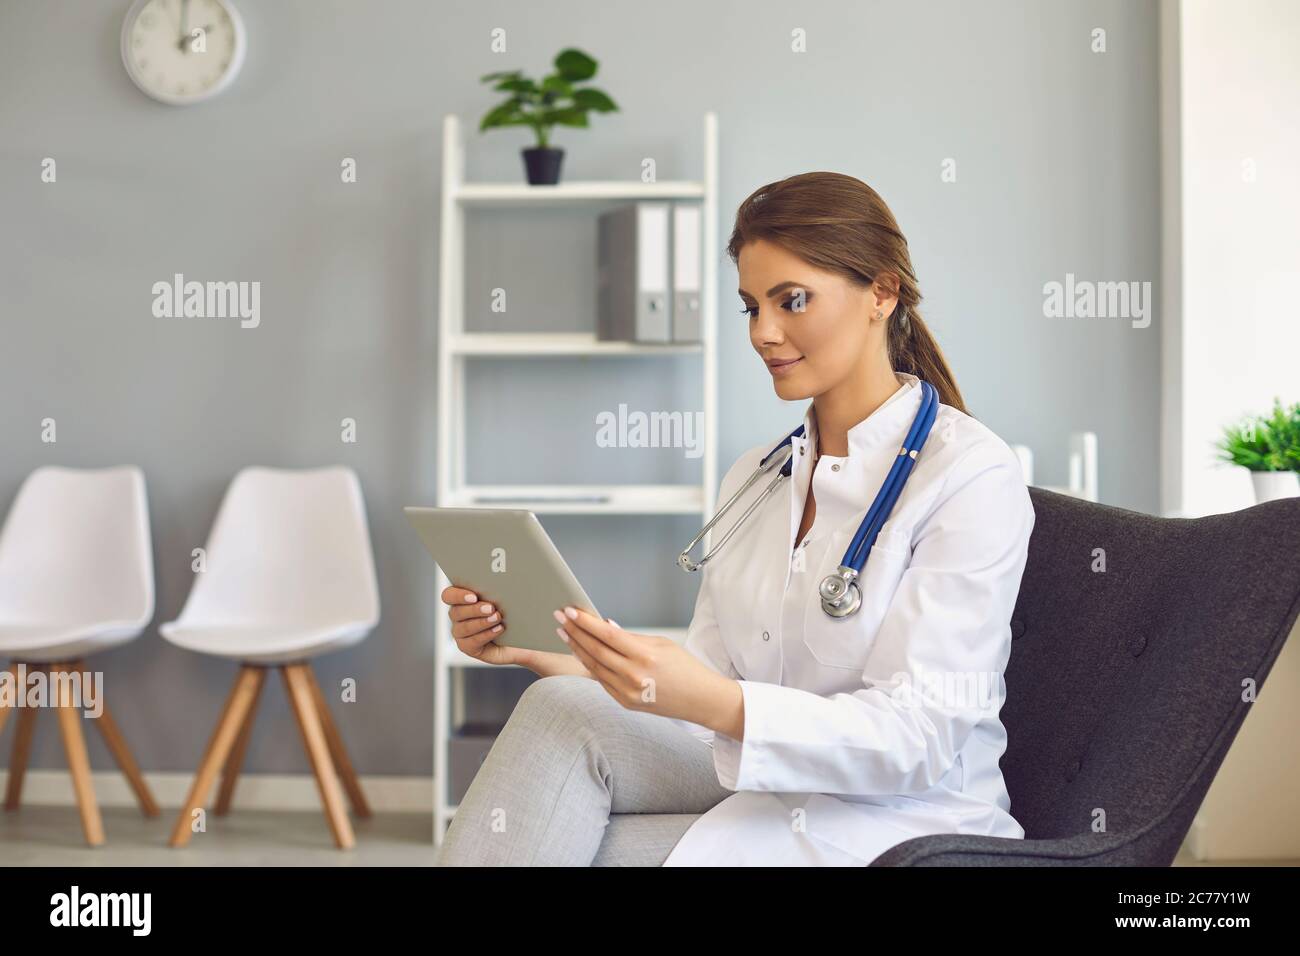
[[1137, 644], [767, 636], [835, 467], [1017, 627], [1073, 769], [802, 449]]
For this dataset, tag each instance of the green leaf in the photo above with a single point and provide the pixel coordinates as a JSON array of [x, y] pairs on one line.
[[558, 85], [1265, 443], [517, 85], [553, 101], [507, 114], [568, 116], [575, 65], [593, 99]]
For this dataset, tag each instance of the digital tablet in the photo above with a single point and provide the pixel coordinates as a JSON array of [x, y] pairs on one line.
[[506, 558]]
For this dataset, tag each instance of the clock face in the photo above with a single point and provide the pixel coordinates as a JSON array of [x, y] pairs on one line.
[[182, 51]]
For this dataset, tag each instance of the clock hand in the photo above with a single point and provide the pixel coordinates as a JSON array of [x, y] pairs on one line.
[[183, 41]]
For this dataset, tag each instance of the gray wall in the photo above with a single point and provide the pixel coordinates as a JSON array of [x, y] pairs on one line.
[[1057, 153]]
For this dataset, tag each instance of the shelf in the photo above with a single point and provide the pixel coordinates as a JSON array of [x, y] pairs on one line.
[[582, 499], [456, 659], [542, 344], [459, 203], [522, 194]]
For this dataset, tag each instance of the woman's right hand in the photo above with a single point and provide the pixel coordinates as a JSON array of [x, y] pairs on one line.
[[475, 625]]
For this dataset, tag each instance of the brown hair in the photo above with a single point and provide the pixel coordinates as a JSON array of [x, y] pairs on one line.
[[840, 224]]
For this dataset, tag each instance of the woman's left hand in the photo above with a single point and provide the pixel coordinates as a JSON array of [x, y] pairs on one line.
[[653, 674]]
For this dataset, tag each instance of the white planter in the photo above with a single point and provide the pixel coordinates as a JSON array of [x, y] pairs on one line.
[[1271, 485]]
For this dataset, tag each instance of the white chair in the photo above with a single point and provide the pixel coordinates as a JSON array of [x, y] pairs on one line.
[[288, 576], [76, 577]]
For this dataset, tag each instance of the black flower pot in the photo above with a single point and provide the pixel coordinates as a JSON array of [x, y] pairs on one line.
[[543, 165]]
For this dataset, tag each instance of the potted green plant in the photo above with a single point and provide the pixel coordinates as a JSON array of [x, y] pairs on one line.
[[1270, 447], [552, 101]]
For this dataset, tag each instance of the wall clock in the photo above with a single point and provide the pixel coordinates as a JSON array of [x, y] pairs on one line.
[[182, 51]]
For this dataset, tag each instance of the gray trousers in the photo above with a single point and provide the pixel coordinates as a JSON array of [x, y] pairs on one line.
[[574, 779]]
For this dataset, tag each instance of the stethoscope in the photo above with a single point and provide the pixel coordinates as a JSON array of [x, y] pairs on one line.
[[840, 594]]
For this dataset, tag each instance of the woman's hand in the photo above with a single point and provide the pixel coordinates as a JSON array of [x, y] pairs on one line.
[[475, 626], [653, 674]]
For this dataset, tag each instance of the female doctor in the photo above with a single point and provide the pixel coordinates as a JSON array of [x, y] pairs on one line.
[[779, 734]]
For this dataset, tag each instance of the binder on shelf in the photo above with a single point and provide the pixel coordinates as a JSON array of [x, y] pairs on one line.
[[632, 299], [686, 321]]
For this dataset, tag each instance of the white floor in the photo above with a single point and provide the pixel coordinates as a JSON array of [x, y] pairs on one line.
[[51, 836]]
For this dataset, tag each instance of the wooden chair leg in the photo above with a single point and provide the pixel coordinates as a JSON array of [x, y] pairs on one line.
[[241, 698], [298, 685], [18, 757], [338, 752], [130, 769], [235, 762], [74, 745], [12, 670]]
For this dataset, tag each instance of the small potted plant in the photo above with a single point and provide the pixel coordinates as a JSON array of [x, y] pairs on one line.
[[1270, 447], [552, 101]]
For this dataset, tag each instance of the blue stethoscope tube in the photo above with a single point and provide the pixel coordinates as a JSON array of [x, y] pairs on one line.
[[839, 592]]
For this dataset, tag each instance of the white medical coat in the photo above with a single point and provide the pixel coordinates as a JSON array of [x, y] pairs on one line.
[[869, 730]]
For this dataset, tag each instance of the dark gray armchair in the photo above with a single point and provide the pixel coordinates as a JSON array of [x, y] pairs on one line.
[[1125, 688]]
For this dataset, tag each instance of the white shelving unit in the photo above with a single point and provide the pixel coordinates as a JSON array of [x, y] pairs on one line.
[[456, 347]]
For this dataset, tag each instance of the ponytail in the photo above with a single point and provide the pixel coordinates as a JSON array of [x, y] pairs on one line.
[[912, 349]]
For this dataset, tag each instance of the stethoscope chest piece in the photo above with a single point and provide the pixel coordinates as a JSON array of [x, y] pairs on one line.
[[840, 596]]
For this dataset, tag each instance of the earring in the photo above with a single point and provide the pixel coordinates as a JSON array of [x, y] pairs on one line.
[[880, 315]]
